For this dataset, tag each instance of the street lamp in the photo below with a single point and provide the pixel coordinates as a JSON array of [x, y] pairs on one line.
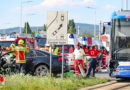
[[94, 19], [21, 15], [27, 21]]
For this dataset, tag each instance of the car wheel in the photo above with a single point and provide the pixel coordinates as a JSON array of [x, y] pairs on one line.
[[41, 70]]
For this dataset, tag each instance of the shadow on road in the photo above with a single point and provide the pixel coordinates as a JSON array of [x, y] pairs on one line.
[[123, 80]]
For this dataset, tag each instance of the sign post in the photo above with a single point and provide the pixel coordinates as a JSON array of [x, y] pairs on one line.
[[50, 60], [62, 76], [57, 31]]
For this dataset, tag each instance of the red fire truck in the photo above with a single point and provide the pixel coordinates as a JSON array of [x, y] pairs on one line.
[[7, 40]]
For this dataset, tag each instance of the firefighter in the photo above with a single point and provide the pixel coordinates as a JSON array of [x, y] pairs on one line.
[[13, 55], [92, 61], [20, 52], [78, 58]]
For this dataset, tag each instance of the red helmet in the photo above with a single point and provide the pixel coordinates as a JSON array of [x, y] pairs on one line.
[[78, 44]]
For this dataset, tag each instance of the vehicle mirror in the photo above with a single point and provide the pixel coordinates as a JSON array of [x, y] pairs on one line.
[[109, 23]]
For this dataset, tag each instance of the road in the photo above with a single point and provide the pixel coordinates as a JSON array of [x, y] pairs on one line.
[[114, 84]]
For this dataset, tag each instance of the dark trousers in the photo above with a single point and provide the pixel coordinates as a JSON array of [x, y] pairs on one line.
[[91, 65], [22, 68]]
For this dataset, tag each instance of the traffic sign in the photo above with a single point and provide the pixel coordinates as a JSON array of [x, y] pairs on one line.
[[57, 27]]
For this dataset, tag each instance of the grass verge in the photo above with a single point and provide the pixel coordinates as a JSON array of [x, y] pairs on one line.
[[17, 82]]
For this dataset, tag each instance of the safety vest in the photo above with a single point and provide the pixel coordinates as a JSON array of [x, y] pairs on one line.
[[80, 52], [20, 52], [56, 51]]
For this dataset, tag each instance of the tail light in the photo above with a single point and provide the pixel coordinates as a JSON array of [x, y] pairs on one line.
[[60, 58], [117, 70]]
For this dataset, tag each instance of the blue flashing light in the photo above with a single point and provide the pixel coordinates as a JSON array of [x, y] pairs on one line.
[[38, 35], [71, 36], [84, 38]]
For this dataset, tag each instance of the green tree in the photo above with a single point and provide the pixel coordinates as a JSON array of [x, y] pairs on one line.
[[44, 27], [71, 27], [33, 34], [37, 31], [27, 28], [87, 35]]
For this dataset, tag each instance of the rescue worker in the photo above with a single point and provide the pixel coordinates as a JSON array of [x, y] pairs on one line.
[[104, 57], [96, 48], [86, 50], [99, 57], [13, 55], [56, 50], [20, 52], [78, 58], [92, 61]]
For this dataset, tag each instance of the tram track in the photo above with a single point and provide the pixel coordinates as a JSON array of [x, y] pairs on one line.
[[112, 85]]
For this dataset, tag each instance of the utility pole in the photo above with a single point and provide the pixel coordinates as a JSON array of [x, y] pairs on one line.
[[121, 5], [94, 19], [78, 30], [100, 27], [21, 14], [126, 4]]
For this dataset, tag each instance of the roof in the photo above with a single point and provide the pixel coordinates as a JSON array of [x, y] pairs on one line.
[[121, 14]]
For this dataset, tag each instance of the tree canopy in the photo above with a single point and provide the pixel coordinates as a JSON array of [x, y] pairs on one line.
[[71, 27], [87, 35], [44, 27], [27, 28]]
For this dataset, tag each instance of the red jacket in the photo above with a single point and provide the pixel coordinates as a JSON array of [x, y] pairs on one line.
[[20, 52], [104, 53], [93, 53], [86, 51]]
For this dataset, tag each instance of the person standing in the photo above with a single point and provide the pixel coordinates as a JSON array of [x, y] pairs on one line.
[[104, 57], [86, 50], [20, 52], [92, 61], [99, 57], [78, 58]]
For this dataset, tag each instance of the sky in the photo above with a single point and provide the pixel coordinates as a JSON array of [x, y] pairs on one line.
[[35, 11]]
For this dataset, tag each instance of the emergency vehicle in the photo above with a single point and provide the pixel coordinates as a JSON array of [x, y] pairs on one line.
[[7, 40]]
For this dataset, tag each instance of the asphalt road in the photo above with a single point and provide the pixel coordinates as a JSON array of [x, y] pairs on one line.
[[114, 84]]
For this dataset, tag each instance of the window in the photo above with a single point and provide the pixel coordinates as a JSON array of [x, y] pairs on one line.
[[30, 54], [39, 53], [5, 43]]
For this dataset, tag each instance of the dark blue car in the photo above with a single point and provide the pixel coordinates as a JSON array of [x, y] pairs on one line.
[[38, 63]]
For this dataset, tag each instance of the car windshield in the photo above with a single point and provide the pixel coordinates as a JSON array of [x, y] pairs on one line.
[[41, 42], [122, 33]]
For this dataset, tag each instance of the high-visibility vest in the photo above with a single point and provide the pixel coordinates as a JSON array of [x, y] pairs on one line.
[[80, 52], [56, 51], [20, 52]]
